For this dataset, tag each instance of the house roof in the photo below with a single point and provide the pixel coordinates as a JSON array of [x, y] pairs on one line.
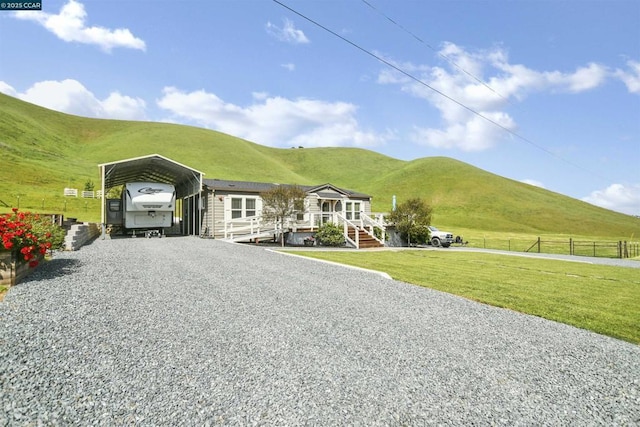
[[259, 187]]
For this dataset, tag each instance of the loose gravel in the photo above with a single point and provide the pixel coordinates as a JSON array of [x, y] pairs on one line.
[[191, 332]]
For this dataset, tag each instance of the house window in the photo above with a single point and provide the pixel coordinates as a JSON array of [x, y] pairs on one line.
[[352, 211], [250, 207], [243, 207], [326, 212], [236, 208]]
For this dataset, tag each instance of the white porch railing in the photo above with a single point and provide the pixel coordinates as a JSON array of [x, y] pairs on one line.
[[348, 224], [372, 224], [365, 223], [246, 227], [252, 227]]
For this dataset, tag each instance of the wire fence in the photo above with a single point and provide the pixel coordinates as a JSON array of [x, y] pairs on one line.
[[604, 249]]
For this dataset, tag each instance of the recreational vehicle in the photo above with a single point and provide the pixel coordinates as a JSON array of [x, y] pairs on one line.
[[146, 206]]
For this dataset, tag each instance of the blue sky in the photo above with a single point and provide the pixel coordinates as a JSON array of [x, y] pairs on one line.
[[546, 92]]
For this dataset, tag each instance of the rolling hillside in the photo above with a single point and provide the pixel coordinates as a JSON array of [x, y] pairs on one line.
[[43, 151]]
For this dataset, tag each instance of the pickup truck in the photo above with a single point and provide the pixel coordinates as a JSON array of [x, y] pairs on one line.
[[440, 238]]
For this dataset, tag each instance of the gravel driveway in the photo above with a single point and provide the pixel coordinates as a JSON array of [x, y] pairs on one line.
[[190, 332]]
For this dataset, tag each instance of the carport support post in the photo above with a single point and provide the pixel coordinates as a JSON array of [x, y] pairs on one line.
[[103, 198]]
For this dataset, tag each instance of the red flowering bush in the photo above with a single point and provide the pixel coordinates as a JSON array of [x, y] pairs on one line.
[[28, 234]]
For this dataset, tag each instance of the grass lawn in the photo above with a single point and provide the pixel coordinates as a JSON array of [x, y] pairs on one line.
[[603, 299]]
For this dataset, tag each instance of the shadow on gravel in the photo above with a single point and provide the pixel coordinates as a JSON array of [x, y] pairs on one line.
[[52, 269]]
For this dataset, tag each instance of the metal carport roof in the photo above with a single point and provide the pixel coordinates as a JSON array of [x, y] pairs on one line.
[[152, 168]]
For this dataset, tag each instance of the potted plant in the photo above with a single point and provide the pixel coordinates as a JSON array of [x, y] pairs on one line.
[[309, 241]]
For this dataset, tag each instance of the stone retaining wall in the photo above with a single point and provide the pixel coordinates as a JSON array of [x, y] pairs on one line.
[[81, 234]]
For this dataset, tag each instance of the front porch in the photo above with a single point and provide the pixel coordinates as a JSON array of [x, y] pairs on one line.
[[361, 232]]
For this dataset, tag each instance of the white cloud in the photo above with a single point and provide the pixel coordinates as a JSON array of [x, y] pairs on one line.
[[289, 66], [533, 182], [618, 197], [260, 95], [288, 33], [273, 121], [631, 78], [70, 26], [70, 96], [117, 106], [472, 133], [7, 89], [462, 78], [584, 78]]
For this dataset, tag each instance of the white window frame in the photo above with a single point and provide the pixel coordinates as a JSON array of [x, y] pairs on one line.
[[352, 210], [253, 209], [237, 211], [242, 206]]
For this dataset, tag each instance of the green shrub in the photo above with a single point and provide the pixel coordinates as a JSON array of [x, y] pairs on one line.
[[330, 234], [48, 231]]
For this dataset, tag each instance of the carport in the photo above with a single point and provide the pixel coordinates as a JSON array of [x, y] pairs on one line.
[[157, 168]]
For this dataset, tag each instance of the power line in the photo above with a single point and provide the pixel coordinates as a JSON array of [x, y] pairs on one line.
[[423, 83], [445, 57]]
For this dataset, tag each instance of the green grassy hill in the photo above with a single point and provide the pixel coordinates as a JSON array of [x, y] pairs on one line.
[[43, 151]]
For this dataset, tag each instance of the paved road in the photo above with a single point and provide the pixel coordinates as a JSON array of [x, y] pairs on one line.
[[616, 262], [186, 331]]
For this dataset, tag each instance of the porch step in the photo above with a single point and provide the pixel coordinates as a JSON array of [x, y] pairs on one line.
[[365, 240]]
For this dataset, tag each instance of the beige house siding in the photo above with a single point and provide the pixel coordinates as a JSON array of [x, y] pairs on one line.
[[207, 211]]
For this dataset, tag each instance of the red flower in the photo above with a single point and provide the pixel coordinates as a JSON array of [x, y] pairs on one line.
[[22, 231], [33, 264]]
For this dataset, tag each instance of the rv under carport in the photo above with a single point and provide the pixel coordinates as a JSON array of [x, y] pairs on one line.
[[156, 168]]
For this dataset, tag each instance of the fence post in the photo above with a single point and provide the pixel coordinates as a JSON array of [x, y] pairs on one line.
[[538, 244], [570, 245], [626, 250], [594, 249], [619, 249]]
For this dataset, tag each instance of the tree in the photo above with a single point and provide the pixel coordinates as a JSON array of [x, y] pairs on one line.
[[282, 202], [412, 219], [89, 186]]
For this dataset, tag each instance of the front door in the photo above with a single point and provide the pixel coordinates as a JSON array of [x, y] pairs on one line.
[[329, 209]]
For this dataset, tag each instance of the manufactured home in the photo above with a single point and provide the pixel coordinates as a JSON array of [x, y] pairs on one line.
[[232, 210]]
